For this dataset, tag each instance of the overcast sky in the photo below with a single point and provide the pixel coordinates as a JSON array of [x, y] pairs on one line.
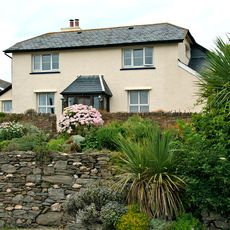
[[23, 19]]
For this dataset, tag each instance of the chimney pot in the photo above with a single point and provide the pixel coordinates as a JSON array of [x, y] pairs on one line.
[[71, 23], [76, 22]]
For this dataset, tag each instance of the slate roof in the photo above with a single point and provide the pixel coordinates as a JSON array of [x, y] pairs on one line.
[[126, 35], [92, 84], [4, 84], [198, 58]]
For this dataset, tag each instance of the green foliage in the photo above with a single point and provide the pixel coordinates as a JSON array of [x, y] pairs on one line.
[[215, 79], [205, 168], [187, 222], [58, 144], [27, 142], [105, 135], [133, 220], [159, 224], [214, 126], [136, 127], [145, 166], [10, 130], [4, 144], [89, 205], [2, 115], [111, 213]]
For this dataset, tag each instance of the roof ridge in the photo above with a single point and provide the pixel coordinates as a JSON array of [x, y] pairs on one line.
[[116, 27]]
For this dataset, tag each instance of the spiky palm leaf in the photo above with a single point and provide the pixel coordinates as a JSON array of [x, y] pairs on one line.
[[215, 79], [145, 166]]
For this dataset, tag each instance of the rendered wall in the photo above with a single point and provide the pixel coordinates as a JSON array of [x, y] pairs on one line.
[[171, 88]]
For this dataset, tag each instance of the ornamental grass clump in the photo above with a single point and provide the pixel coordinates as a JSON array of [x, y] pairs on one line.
[[79, 118]]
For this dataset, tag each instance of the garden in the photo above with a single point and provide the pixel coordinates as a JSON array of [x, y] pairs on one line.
[[175, 178]]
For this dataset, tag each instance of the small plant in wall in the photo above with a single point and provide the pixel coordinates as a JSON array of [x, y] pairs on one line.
[[78, 118]]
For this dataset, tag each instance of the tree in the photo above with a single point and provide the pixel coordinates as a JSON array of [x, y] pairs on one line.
[[215, 79]]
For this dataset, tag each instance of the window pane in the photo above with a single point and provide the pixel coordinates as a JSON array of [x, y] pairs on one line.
[[127, 57], [42, 99], [87, 101], [50, 99], [133, 97], [96, 102], [70, 101], [149, 56], [42, 110], [138, 57], [50, 110], [144, 108], [36, 62], [143, 97], [46, 62], [55, 61], [133, 109], [7, 106]]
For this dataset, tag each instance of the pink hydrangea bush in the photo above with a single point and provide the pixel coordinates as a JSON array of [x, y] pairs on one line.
[[78, 116]]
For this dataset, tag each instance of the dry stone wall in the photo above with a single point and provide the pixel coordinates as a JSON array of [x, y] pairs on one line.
[[33, 187]]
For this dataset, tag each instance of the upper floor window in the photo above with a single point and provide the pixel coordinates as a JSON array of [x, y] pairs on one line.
[[45, 62], [139, 57]]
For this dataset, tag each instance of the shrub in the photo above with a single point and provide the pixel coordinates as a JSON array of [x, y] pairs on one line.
[[10, 130], [87, 204], [136, 127], [187, 221], [103, 137], [133, 220], [27, 142], [90, 141], [159, 224], [76, 119], [58, 144], [111, 213], [106, 135], [209, 192]]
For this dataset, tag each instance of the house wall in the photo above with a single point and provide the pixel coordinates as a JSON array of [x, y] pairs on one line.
[[7, 96], [171, 88]]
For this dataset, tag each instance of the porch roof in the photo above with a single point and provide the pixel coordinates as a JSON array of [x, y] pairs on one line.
[[90, 84]]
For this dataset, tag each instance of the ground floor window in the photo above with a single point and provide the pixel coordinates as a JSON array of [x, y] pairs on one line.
[[7, 106], [138, 101], [46, 103]]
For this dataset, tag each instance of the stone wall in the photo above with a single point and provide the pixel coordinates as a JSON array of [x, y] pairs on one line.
[[33, 187], [165, 120]]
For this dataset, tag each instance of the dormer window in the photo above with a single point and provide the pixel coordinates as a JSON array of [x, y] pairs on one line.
[[45, 62], [140, 57]]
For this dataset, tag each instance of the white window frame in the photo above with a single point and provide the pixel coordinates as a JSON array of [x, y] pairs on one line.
[[132, 58], [3, 106], [138, 104], [40, 69], [46, 106]]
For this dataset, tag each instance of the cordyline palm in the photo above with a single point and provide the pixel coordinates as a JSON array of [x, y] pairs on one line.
[[145, 169], [215, 79]]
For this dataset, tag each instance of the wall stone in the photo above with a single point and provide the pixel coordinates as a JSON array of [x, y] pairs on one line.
[[32, 192]]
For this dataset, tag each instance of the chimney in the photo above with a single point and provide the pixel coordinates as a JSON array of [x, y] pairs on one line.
[[73, 25], [76, 22]]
